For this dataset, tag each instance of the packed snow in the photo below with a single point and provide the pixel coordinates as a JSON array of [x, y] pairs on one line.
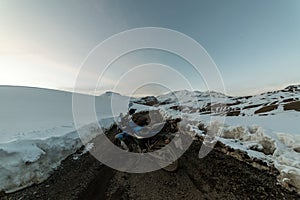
[[37, 132]]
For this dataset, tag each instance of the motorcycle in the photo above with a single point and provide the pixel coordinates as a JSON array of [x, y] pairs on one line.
[[133, 143]]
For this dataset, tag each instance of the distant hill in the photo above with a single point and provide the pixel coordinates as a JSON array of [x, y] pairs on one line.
[[264, 104]]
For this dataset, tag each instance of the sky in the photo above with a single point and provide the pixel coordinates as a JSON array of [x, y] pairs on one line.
[[255, 44]]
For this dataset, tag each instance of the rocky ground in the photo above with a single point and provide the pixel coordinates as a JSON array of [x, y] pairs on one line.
[[217, 176]]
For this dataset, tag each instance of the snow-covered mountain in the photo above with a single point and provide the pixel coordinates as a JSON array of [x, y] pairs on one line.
[[208, 102]]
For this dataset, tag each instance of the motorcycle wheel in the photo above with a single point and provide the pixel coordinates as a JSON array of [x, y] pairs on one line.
[[169, 155], [173, 167]]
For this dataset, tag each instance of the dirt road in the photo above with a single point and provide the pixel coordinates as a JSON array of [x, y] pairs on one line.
[[217, 176]]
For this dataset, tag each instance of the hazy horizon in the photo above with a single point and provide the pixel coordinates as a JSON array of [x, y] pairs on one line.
[[86, 92]]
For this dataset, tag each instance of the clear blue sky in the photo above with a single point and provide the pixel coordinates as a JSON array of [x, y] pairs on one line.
[[255, 44]]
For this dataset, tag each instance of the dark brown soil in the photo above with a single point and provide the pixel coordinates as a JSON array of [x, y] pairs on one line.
[[234, 113], [266, 109], [288, 100], [292, 106], [252, 106]]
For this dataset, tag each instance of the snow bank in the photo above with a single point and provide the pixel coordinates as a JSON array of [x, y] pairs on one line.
[[25, 162], [37, 132], [278, 137], [274, 148]]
